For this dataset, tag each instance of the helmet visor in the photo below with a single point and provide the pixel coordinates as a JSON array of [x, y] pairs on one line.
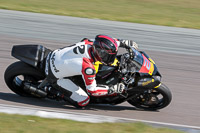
[[106, 57]]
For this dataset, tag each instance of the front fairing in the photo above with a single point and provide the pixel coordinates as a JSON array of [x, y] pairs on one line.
[[144, 64], [141, 63]]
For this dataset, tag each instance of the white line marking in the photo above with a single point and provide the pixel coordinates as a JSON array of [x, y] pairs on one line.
[[83, 117]]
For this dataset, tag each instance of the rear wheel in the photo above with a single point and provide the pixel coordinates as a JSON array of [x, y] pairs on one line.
[[153, 99], [20, 72]]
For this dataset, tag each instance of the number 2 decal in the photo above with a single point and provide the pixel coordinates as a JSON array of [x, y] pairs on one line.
[[147, 66], [80, 48], [147, 63]]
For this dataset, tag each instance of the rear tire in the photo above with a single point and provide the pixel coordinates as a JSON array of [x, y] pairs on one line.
[[164, 101], [21, 70]]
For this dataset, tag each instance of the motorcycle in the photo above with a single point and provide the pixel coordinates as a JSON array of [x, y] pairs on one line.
[[138, 72]]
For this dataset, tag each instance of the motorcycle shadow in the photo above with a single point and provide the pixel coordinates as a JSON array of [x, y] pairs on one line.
[[40, 102]]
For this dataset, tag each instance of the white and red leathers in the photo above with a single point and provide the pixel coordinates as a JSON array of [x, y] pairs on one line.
[[76, 60]]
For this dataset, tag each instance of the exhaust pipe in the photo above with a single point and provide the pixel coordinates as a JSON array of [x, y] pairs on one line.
[[34, 91]]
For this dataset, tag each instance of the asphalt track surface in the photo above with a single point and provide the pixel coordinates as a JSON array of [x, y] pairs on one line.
[[175, 51]]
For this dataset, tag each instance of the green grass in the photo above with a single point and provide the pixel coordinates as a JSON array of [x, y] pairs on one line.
[[32, 124], [179, 13]]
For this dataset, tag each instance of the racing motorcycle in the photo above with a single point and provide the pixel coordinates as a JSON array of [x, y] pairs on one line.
[[139, 73]]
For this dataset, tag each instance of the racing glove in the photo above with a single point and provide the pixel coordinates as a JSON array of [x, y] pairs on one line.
[[118, 88], [128, 43]]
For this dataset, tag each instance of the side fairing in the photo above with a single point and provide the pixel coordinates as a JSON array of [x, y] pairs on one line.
[[147, 66]]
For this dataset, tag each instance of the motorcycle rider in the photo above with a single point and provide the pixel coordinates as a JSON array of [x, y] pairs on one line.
[[79, 59]]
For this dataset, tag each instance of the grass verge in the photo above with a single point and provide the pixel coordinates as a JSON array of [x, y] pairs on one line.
[[33, 124], [179, 13]]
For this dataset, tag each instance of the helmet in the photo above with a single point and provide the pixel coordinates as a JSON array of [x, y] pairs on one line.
[[105, 49]]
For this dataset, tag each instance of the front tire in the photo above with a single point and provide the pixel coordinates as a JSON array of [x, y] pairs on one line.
[[161, 98], [19, 72]]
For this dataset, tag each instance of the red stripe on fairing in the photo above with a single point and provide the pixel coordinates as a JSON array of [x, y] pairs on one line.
[[110, 39], [85, 102], [145, 65]]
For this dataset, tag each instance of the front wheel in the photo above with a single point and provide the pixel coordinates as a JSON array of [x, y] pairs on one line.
[[153, 99]]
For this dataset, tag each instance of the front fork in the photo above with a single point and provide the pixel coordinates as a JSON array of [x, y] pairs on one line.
[[138, 86], [144, 93]]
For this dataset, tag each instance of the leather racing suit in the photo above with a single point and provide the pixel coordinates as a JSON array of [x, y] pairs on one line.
[[75, 60]]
